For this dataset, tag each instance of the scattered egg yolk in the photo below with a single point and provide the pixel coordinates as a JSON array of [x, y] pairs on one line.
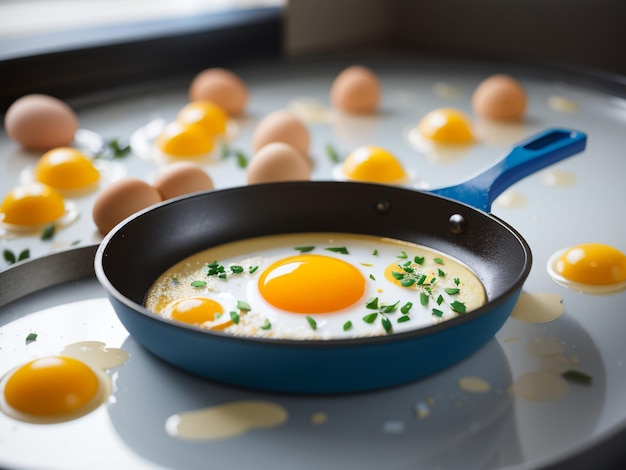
[[51, 387], [446, 125], [32, 204], [311, 284], [375, 164], [205, 113], [66, 168], [183, 139], [196, 311], [592, 264]]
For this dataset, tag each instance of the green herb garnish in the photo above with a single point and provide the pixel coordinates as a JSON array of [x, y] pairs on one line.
[[234, 316], [241, 305], [375, 252], [304, 249], [242, 160], [48, 232], [458, 307], [402, 255], [339, 249], [418, 260], [372, 303], [437, 312], [370, 317], [266, 324], [438, 260], [198, 283], [386, 324], [406, 307], [253, 269], [347, 325], [403, 318], [452, 290], [372, 277], [31, 337], [10, 257], [312, 322], [577, 376], [424, 298], [332, 153]]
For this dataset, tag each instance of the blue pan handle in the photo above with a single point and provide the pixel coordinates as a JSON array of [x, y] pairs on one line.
[[525, 158]]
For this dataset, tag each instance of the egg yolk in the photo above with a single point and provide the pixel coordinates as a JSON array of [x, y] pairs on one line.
[[311, 284], [51, 386], [446, 125], [32, 204], [592, 264], [373, 164], [66, 168], [183, 139], [207, 114], [195, 311]]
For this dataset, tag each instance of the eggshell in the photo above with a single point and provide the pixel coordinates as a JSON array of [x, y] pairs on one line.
[[356, 90], [282, 126], [40, 122], [222, 87], [182, 178], [499, 97], [275, 162], [121, 199]]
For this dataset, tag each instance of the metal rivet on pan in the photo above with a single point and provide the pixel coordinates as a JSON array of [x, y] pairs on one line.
[[383, 207], [458, 224]]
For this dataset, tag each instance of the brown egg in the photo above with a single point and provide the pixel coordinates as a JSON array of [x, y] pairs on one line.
[[282, 126], [222, 87], [499, 97], [120, 200], [275, 162], [182, 178], [356, 90], [40, 122]]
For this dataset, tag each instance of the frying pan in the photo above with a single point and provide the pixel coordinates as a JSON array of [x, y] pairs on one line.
[[453, 220]]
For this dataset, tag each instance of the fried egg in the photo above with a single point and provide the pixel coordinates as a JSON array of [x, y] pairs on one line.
[[316, 286], [58, 388], [370, 163], [590, 268]]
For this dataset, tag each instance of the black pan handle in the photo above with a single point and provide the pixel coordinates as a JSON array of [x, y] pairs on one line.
[[525, 158]]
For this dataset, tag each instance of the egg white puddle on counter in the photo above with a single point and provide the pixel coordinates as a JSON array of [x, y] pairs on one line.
[[316, 286]]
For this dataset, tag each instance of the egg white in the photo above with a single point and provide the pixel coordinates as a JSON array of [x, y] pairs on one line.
[[262, 252]]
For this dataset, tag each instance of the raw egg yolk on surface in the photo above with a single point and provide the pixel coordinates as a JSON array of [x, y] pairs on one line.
[[66, 168], [446, 125], [207, 114], [32, 204], [375, 164], [311, 284], [51, 386], [592, 264], [184, 139], [194, 310]]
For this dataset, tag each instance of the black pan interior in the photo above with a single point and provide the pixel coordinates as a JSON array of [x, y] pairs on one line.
[[140, 250]]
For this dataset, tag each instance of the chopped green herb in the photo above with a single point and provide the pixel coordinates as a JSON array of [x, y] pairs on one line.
[[372, 277], [577, 376], [24, 254], [9, 256], [75, 242], [375, 252], [312, 322], [441, 273], [406, 307], [266, 324], [439, 300], [438, 260], [48, 232], [31, 337], [390, 308], [424, 298], [452, 290], [253, 269], [235, 269], [234, 316], [407, 282], [304, 249], [421, 280], [372, 303], [458, 307], [224, 150], [198, 283], [113, 149], [339, 249], [457, 281], [241, 305], [242, 160], [347, 325], [332, 153], [397, 275], [386, 324], [418, 260], [370, 318], [403, 318], [402, 255], [437, 312]]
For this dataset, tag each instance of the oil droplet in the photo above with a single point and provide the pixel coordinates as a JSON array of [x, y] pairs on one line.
[[474, 384], [511, 199], [557, 178], [226, 421], [319, 418], [562, 104], [540, 385], [538, 307]]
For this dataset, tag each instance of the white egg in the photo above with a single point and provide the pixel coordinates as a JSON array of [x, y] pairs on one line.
[[322, 286]]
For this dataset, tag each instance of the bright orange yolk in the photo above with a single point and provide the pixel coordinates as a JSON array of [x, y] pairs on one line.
[[374, 164], [446, 125], [194, 310], [207, 114], [32, 204], [592, 264], [51, 386], [66, 168], [181, 139], [311, 284]]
